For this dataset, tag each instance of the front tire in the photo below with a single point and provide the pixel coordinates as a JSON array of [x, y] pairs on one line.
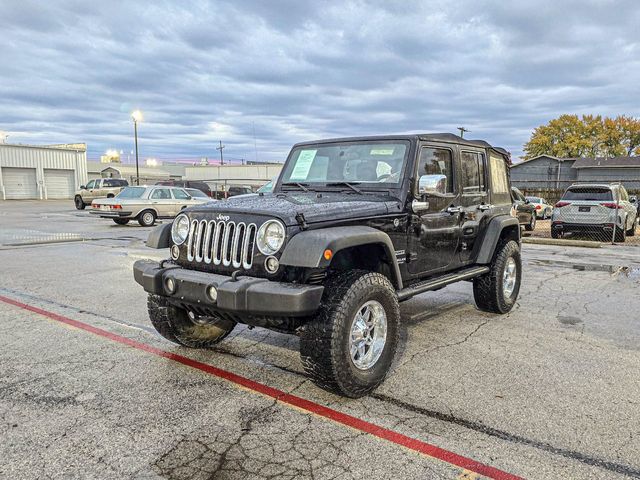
[[497, 291], [79, 203], [349, 345], [175, 325], [147, 218], [531, 225]]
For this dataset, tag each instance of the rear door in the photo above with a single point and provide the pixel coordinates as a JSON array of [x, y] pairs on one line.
[[162, 202], [474, 198], [435, 233], [182, 200]]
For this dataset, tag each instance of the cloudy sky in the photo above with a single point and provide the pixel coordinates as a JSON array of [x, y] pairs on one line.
[[72, 71]]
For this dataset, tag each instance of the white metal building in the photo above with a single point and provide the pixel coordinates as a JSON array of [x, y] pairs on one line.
[[249, 174], [41, 171]]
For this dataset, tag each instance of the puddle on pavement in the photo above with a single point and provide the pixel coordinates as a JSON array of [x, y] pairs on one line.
[[568, 320], [629, 271]]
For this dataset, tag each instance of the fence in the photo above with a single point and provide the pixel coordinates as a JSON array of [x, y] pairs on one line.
[[584, 213]]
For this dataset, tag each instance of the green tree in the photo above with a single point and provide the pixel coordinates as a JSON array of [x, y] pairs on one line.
[[586, 136]]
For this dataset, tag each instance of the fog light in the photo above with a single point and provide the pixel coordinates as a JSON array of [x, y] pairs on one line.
[[170, 285], [175, 252], [271, 264], [212, 293]]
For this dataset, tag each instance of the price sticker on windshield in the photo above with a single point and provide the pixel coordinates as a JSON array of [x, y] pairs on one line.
[[303, 165], [381, 151]]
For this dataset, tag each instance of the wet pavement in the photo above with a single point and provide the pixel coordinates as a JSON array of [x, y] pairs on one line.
[[549, 390]]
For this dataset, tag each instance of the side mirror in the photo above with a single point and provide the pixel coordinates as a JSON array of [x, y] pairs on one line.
[[633, 199], [432, 185], [526, 201], [83, 187]]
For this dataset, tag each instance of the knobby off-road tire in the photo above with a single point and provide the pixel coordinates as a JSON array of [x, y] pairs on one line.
[[175, 325], [326, 339], [489, 289], [79, 203]]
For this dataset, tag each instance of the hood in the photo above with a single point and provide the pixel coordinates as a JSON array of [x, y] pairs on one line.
[[285, 206]]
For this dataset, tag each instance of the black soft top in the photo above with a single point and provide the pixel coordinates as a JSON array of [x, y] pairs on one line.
[[435, 137]]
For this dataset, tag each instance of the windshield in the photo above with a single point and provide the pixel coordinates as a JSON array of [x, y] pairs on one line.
[[131, 192], [588, 194], [369, 163]]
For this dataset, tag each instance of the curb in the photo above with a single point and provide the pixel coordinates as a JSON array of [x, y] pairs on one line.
[[562, 243]]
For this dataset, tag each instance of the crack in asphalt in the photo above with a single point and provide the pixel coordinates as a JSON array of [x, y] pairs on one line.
[[444, 417]]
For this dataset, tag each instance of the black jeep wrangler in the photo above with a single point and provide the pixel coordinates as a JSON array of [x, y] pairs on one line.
[[353, 227]]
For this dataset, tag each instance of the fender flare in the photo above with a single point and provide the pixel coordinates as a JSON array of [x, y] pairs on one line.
[[160, 236], [492, 235], [306, 249]]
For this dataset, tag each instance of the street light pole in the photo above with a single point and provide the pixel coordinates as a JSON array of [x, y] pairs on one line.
[[136, 116]]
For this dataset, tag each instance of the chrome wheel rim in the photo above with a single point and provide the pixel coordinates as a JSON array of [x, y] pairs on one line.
[[509, 277], [368, 335], [148, 218]]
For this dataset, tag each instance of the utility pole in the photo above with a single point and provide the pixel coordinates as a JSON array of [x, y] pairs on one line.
[[462, 130], [220, 148], [255, 142]]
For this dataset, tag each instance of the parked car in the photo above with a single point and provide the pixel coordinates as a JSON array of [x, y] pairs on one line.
[[145, 204], [98, 188], [543, 209], [238, 190], [352, 228], [525, 210], [202, 186], [595, 209], [195, 193], [266, 188]]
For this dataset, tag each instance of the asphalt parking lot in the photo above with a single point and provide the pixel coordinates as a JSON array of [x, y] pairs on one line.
[[89, 390]]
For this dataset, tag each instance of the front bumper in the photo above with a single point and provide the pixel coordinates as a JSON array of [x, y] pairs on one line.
[[242, 296]]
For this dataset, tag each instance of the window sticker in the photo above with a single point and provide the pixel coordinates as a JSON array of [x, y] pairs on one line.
[[303, 165], [381, 151]]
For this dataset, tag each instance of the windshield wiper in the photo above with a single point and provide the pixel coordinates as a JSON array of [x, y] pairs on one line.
[[351, 185], [301, 186]]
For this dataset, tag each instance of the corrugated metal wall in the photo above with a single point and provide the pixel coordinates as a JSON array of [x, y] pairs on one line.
[[41, 158]]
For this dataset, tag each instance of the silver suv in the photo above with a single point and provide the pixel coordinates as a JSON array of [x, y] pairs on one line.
[[595, 209], [98, 188]]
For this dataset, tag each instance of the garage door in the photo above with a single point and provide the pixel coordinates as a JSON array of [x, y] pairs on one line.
[[19, 183], [59, 183]]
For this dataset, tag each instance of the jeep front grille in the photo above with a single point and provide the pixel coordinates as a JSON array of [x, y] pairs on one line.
[[222, 243]]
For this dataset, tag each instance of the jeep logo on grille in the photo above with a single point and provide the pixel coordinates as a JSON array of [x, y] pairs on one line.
[[222, 217]]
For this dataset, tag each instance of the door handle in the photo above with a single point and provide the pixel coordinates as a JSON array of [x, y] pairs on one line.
[[453, 210]]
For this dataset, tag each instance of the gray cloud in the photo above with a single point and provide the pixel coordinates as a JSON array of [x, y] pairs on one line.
[[291, 71]]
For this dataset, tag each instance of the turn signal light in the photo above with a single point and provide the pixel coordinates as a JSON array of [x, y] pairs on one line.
[[610, 205], [328, 254], [117, 207]]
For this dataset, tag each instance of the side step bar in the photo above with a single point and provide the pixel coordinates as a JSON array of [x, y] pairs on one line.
[[439, 282]]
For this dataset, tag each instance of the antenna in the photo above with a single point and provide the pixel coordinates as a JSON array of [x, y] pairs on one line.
[[462, 130]]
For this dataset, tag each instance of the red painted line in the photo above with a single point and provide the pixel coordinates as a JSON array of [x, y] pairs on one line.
[[299, 402]]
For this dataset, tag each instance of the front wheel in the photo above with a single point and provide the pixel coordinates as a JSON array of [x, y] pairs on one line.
[[532, 224], [177, 326], [497, 290], [147, 218], [79, 203], [349, 345]]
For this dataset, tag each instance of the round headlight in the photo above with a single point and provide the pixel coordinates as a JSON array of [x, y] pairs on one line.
[[180, 229], [270, 237]]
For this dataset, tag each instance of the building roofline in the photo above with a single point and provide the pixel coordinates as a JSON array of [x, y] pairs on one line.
[[46, 147]]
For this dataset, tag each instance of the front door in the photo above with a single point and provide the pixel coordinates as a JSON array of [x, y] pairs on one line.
[[162, 202], [434, 233]]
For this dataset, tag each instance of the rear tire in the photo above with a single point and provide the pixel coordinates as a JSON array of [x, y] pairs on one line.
[[529, 227], [555, 234], [121, 221], [497, 291], [359, 312], [632, 231], [620, 235], [79, 203], [174, 324], [147, 218]]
